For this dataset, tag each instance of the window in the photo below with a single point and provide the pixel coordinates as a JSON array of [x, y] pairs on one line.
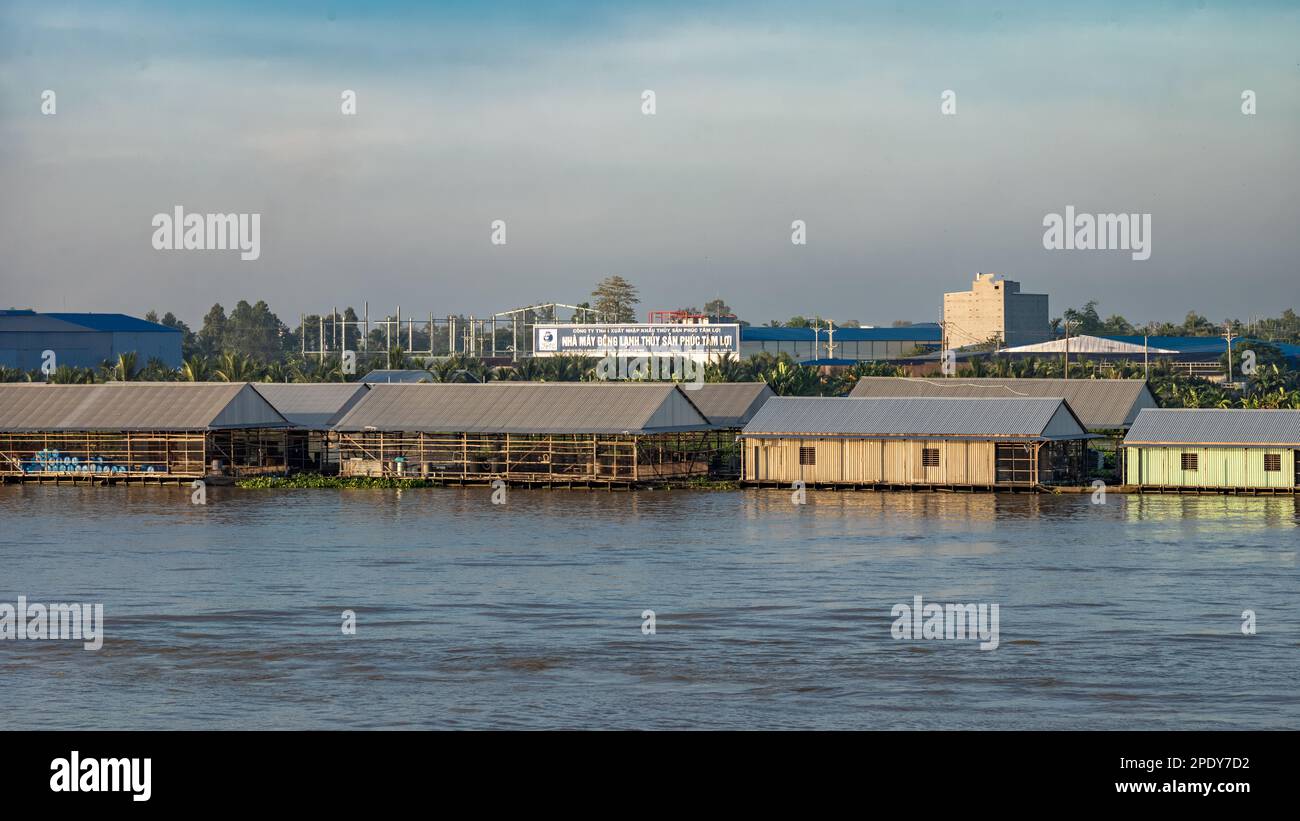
[[930, 457], [1273, 462], [1189, 461], [807, 455]]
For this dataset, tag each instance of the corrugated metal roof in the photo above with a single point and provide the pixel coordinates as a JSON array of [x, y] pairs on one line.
[[1210, 426], [730, 404], [924, 332], [32, 322], [113, 322], [525, 407], [1088, 344], [905, 417], [26, 323], [315, 406], [1101, 404], [1211, 345], [126, 406]]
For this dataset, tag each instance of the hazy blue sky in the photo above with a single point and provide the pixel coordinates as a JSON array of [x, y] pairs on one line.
[[530, 112]]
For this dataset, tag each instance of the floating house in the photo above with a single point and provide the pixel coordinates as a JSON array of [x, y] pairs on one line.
[[138, 431], [1102, 405], [312, 409], [915, 442], [728, 406], [1214, 449], [548, 433]]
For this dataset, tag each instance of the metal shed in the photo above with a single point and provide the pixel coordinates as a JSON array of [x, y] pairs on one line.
[[1214, 449], [137, 430], [526, 432], [915, 441]]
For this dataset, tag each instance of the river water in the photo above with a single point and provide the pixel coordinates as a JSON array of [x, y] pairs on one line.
[[767, 614]]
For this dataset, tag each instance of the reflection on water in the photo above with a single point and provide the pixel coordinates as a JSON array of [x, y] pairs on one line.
[[1125, 615]]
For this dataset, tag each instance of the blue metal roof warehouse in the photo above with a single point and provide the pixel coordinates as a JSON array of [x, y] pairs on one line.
[[851, 344], [83, 340]]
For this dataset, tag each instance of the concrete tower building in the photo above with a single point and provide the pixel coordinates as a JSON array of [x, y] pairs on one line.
[[992, 308]]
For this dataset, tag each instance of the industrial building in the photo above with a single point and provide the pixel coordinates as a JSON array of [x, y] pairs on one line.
[[535, 433], [1213, 449], [995, 309], [83, 340], [841, 344], [915, 443], [311, 409], [138, 431], [1102, 405]]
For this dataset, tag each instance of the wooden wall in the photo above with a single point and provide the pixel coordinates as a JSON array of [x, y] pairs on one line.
[[869, 461]]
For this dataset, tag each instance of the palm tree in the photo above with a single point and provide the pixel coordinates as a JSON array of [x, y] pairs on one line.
[[323, 370], [787, 379], [69, 375], [727, 368], [125, 368], [531, 369], [397, 357], [236, 367], [196, 369], [277, 372]]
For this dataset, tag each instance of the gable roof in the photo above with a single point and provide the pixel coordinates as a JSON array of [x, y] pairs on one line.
[[314, 406], [134, 406], [1101, 404], [525, 407], [1085, 344], [916, 417], [729, 404], [1215, 426]]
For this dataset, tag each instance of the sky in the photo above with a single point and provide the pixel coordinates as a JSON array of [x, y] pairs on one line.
[[765, 113]]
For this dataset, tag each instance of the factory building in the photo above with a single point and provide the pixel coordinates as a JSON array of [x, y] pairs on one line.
[[995, 309], [841, 345], [83, 340]]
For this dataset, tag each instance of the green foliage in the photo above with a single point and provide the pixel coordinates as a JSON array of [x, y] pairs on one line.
[[314, 480], [615, 300]]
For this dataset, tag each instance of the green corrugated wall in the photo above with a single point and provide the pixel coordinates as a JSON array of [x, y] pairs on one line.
[[1216, 467]]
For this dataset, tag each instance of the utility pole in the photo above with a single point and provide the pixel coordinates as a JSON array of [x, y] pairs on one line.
[[943, 345], [1227, 328], [1066, 323], [1146, 357]]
